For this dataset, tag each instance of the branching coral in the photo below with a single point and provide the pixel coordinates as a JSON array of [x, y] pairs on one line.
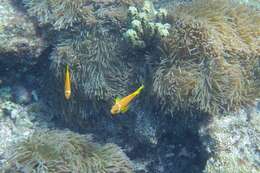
[[207, 61], [145, 25], [65, 151]]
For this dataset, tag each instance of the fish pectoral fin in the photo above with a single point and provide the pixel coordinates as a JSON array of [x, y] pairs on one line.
[[124, 109], [117, 99]]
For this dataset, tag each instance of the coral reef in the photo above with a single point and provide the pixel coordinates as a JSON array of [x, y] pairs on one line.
[[65, 151], [145, 25], [98, 71], [195, 58], [251, 3], [206, 62], [19, 41], [62, 15], [21, 95], [86, 36], [95, 63], [18, 122], [233, 142]]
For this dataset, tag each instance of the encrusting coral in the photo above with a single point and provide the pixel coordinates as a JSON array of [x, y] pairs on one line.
[[207, 61], [65, 151]]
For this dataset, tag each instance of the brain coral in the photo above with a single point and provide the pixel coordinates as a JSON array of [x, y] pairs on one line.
[[209, 59], [64, 151]]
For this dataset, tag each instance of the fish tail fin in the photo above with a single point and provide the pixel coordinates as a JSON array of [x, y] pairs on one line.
[[139, 89]]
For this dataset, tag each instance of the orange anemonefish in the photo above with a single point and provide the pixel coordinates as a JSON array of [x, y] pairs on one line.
[[121, 105], [67, 87]]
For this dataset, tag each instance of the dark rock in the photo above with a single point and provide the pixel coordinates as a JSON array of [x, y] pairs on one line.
[[21, 95], [19, 41]]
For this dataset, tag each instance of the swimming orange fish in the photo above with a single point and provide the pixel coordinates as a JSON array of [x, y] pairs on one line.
[[121, 105], [67, 87]]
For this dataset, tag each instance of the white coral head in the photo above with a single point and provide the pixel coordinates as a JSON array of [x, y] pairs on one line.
[[162, 13], [167, 26], [143, 16], [131, 34], [136, 24], [149, 8], [133, 10], [163, 32]]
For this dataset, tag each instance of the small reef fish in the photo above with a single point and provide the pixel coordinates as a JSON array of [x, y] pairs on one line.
[[121, 105], [67, 85]]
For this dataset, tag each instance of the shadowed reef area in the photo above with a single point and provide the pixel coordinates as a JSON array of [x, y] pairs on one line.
[[198, 61]]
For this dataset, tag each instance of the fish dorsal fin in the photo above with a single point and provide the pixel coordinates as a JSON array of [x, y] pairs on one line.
[[124, 109], [117, 99]]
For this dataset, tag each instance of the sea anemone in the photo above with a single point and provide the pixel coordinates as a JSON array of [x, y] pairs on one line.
[[207, 61], [65, 151]]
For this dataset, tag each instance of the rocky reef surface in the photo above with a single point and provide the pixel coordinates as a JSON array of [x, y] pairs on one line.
[[19, 41], [201, 75], [233, 142], [18, 121]]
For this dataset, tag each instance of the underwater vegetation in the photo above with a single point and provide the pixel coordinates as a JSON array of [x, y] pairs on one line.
[[65, 151], [208, 60]]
